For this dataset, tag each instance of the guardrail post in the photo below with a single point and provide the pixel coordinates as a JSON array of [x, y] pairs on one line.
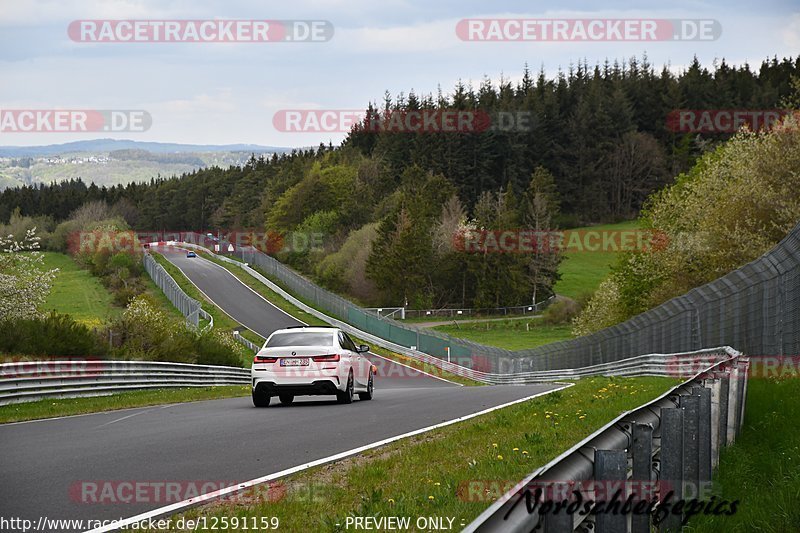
[[743, 367], [642, 472], [724, 398], [716, 387], [704, 436], [671, 468], [733, 403], [610, 466], [691, 445], [561, 521]]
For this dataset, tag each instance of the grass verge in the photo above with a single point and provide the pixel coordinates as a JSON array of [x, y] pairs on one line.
[[430, 474], [76, 406], [762, 469], [76, 292], [509, 334], [311, 320]]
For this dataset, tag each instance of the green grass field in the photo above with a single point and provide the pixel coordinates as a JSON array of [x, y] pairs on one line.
[[762, 468], [582, 272], [76, 292], [431, 474], [509, 334]]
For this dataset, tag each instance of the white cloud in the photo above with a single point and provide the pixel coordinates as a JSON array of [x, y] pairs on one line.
[[791, 33]]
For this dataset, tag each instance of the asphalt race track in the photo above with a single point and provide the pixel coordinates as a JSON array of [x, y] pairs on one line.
[[51, 467]]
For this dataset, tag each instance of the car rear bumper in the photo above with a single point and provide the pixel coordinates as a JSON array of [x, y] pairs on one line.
[[315, 388]]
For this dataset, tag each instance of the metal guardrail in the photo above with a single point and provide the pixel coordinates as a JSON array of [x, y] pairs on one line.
[[188, 306], [30, 381], [448, 312], [252, 346], [670, 444]]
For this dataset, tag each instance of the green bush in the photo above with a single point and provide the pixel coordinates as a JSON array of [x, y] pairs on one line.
[[124, 295], [215, 347], [561, 312], [54, 334], [145, 332]]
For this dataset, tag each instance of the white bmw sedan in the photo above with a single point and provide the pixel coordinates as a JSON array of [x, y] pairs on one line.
[[305, 360]]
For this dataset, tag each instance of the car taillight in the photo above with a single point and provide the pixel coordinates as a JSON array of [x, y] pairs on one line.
[[263, 359], [325, 358]]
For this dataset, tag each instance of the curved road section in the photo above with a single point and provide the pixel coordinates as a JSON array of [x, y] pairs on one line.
[[113, 465]]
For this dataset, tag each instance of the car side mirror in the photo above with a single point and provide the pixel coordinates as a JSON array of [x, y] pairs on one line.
[[362, 349]]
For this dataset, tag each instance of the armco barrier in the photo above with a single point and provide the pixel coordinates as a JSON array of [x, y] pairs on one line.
[[671, 444], [29, 381], [250, 345], [189, 307], [755, 308]]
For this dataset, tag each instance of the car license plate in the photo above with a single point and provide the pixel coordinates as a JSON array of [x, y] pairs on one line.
[[294, 362]]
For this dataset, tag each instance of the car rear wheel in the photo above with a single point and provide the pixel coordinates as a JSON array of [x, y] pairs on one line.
[[347, 395], [370, 389], [286, 399], [260, 399]]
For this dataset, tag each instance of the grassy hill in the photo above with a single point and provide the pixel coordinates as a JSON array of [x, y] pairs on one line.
[[582, 272], [76, 292]]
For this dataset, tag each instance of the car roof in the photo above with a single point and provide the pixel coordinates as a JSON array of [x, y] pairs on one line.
[[311, 329]]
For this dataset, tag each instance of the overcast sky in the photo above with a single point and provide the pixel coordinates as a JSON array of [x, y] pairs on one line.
[[214, 93]]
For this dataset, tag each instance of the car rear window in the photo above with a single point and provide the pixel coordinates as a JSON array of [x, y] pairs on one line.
[[300, 338]]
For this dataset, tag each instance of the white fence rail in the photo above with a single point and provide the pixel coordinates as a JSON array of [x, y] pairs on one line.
[[37, 380], [188, 306]]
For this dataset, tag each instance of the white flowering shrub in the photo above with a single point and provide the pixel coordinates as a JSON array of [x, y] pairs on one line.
[[24, 282]]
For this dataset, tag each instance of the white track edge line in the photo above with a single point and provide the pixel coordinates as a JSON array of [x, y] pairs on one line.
[[209, 496]]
